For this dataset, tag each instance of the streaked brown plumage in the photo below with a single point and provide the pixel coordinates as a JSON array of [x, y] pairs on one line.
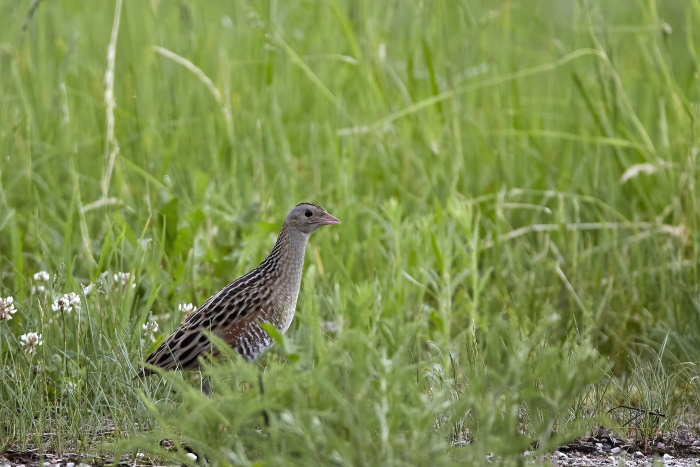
[[268, 293]]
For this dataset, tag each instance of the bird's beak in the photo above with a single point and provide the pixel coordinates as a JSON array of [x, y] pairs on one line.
[[328, 219]]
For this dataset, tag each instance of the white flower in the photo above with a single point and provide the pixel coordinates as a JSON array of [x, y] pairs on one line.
[[38, 289], [187, 308], [150, 327], [123, 279], [72, 298], [30, 342], [66, 303], [7, 308], [87, 288], [41, 276]]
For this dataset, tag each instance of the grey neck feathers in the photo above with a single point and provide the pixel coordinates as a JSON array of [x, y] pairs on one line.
[[288, 252]]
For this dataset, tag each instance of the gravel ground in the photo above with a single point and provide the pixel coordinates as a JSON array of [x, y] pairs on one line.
[[603, 448], [626, 459]]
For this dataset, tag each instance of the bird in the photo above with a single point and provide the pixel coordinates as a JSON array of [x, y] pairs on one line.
[[266, 294]]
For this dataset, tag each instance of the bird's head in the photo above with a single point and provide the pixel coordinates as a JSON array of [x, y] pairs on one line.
[[307, 217]]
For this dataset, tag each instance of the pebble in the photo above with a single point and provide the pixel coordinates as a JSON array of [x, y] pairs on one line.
[[615, 451], [667, 458], [192, 456], [561, 455], [70, 464], [638, 454], [696, 442]]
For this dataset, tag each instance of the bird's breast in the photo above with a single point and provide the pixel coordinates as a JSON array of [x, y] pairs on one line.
[[288, 287]]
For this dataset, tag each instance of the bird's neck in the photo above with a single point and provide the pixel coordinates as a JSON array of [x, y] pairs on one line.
[[288, 252]]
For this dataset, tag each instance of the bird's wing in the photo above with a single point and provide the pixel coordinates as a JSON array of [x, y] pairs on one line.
[[234, 307]]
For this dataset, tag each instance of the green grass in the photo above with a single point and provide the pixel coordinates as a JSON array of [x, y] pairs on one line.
[[503, 273]]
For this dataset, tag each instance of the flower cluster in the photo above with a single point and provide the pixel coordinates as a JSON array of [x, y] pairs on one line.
[[30, 342], [187, 308], [7, 308], [123, 279], [150, 328], [66, 303], [40, 277]]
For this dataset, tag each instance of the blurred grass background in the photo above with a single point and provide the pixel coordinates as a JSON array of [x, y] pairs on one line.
[[516, 182]]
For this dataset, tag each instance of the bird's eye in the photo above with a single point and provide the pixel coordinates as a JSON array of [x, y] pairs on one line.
[[308, 213]]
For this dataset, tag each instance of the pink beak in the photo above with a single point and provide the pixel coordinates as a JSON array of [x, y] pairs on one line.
[[327, 219]]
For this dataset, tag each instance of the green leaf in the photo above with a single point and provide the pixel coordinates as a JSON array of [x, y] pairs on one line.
[[169, 218], [272, 332]]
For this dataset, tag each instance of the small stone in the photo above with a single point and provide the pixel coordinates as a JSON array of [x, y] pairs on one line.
[[683, 437], [638, 454], [70, 464], [599, 446], [561, 455], [667, 458], [615, 451], [696, 442], [192, 456]]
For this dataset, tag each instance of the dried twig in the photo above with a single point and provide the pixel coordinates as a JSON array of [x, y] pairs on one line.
[[640, 412], [30, 14]]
